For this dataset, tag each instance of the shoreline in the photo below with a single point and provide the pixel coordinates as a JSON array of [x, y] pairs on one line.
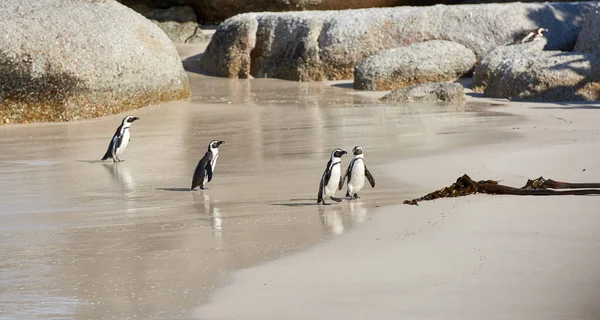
[[130, 239], [510, 253]]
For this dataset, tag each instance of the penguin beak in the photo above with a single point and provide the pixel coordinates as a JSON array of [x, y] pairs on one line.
[[344, 152], [220, 143], [132, 119]]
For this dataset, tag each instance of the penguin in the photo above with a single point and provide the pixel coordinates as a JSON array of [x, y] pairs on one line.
[[356, 173], [206, 166], [331, 177], [529, 35], [120, 140]]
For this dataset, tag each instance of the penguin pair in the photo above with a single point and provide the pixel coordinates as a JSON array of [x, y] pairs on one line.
[[333, 180], [204, 169]]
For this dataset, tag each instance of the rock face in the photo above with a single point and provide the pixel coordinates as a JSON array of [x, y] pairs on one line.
[[589, 37], [179, 23], [322, 45], [428, 92], [546, 76], [96, 57], [215, 11], [492, 61], [430, 61]]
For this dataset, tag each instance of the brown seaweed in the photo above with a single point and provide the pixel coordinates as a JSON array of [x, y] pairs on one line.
[[464, 186]]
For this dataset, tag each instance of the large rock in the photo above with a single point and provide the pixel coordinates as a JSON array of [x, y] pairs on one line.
[[182, 32], [546, 76], [430, 61], [589, 37], [491, 62], [62, 60], [211, 11], [428, 92], [179, 23], [323, 45]]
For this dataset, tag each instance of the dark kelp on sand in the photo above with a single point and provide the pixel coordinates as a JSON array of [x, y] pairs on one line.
[[464, 186]]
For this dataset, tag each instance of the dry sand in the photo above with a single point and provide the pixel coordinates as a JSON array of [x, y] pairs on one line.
[[85, 239], [476, 257]]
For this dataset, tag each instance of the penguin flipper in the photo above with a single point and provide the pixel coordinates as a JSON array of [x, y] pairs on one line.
[[320, 195], [369, 177], [322, 185], [209, 171], [343, 177]]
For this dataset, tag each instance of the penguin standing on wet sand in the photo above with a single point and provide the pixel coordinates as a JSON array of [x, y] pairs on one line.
[[120, 140], [206, 166], [356, 173], [331, 177]]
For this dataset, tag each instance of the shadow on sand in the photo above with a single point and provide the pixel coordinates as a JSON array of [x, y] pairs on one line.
[[174, 189]]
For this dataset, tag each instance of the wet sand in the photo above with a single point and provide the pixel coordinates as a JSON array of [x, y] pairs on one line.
[[81, 238], [475, 257]]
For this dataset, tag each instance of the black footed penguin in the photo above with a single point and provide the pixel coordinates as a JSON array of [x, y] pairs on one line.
[[331, 177], [356, 173], [120, 140], [529, 35], [206, 166]]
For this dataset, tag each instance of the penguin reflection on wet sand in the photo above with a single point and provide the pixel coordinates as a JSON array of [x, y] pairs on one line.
[[331, 177], [356, 173], [206, 166], [120, 140]]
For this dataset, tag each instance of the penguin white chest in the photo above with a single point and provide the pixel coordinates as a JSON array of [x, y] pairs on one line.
[[357, 178], [124, 143], [334, 180], [213, 164]]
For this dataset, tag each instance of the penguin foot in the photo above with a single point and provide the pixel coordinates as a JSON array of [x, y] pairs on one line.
[[356, 196], [204, 188], [325, 204], [336, 199]]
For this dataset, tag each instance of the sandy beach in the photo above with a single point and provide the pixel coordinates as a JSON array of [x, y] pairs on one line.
[[82, 238], [86, 239], [493, 257]]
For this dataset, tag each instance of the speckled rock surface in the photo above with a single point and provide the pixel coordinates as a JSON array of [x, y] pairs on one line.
[[215, 11], [430, 61], [546, 76], [589, 37], [491, 62], [322, 45], [62, 60], [428, 92], [179, 23]]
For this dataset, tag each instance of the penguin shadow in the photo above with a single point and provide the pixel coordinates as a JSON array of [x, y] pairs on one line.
[[306, 202], [98, 161], [175, 189]]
